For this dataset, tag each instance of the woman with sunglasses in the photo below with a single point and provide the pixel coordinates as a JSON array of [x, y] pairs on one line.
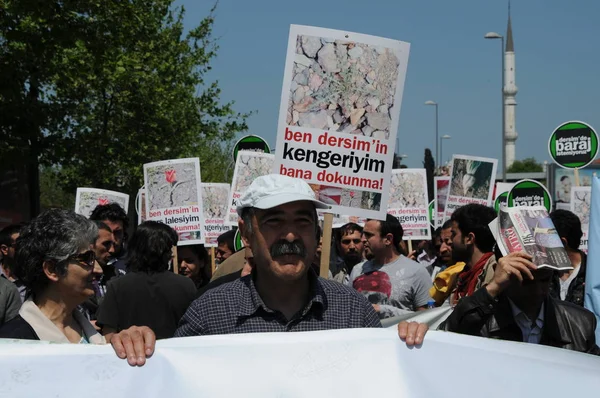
[[55, 261]]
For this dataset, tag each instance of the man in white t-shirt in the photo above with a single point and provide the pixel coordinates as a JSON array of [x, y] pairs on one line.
[[393, 283]]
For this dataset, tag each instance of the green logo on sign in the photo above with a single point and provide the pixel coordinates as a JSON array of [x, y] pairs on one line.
[[529, 193], [250, 143], [499, 200], [238, 243], [573, 145], [431, 213]]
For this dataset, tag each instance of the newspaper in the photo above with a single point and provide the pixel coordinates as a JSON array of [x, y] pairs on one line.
[[530, 229]]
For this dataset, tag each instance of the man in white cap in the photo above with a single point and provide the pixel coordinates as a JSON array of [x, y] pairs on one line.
[[278, 221]]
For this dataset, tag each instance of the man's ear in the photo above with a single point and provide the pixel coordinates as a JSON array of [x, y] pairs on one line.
[[389, 238], [470, 238], [4, 250], [564, 242], [50, 271]]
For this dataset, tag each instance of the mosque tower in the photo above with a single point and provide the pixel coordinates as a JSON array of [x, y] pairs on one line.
[[510, 91]]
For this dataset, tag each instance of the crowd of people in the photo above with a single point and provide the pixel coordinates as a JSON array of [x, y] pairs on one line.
[[66, 278]]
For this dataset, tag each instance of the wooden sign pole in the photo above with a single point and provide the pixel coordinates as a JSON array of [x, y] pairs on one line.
[[326, 246], [175, 262], [576, 171]]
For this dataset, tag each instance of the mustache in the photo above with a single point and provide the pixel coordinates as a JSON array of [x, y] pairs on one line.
[[283, 247]]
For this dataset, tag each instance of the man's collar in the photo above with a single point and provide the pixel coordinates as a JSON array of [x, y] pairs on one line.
[[520, 316], [251, 302]]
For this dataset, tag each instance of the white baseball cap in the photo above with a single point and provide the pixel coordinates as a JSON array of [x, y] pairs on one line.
[[274, 190]]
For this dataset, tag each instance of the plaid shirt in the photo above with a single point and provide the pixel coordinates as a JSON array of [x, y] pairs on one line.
[[236, 307]]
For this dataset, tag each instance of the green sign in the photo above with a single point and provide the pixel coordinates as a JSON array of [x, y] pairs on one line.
[[529, 193], [250, 143], [431, 213], [238, 243], [499, 200], [573, 145]]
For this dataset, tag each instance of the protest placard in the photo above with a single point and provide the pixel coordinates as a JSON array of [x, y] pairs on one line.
[[472, 181], [87, 199], [250, 143], [441, 187], [501, 194], [340, 220], [408, 202], [431, 213], [248, 167], [573, 145], [141, 205], [529, 193], [338, 117], [214, 201], [581, 203], [173, 196]]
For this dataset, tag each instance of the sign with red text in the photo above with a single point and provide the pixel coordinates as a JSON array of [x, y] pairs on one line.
[[338, 117], [441, 187], [214, 201], [408, 202], [248, 166], [87, 199], [581, 204], [471, 181], [174, 197]]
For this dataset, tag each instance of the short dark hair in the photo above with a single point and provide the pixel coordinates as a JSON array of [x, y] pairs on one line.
[[9, 231], [391, 225], [347, 229], [53, 236], [447, 224], [564, 178], [150, 247], [474, 218], [567, 226], [227, 238], [100, 225], [112, 212]]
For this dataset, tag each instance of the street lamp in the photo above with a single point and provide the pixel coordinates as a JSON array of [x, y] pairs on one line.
[[436, 129], [444, 137], [494, 35]]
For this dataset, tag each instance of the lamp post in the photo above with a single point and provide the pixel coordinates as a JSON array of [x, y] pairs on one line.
[[494, 35], [437, 163], [444, 137]]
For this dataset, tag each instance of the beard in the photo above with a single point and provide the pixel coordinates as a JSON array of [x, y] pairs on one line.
[[460, 253], [352, 258]]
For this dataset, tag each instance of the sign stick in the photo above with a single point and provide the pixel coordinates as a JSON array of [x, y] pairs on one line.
[[410, 246], [175, 262], [326, 246], [212, 260], [576, 172]]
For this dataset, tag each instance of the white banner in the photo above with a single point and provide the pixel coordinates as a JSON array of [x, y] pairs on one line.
[[214, 201], [338, 117], [408, 202], [335, 363], [87, 199]]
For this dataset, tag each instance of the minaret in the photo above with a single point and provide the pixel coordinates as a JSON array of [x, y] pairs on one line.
[[510, 91]]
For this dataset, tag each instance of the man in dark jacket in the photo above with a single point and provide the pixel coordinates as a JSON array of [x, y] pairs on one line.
[[516, 306], [569, 285]]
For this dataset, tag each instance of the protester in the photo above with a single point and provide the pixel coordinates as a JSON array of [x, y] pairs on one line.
[[10, 301], [116, 218], [569, 285], [225, 246], [194, 263], [473, 244], [446, 279], [350, 249], [8, 241], [233, 265], [516, 306], [55, 259], [278, 222], [393, 283], [149, 294]]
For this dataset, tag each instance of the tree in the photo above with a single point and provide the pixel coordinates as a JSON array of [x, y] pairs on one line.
[[527, 165], [119, 85], [429, 165]]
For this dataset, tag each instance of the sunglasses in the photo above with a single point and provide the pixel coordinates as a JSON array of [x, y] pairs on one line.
[[86, 259]]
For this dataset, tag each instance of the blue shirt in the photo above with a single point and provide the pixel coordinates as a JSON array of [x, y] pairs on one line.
[[236, 307]]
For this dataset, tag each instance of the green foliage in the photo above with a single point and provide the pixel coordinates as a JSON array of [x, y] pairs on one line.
[[99, 88], [52, 192], [527, 165]]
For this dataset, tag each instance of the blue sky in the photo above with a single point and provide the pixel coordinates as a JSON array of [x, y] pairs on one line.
[[557, 57]]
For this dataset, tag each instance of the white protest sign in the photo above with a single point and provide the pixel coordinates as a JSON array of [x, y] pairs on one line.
[[338, 116], [408, 202], [248, 167], [581, 202], [214, 202], [472, 181], [299, 365], [87, 199], [141, 205], [441, 187], [173, 196]]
